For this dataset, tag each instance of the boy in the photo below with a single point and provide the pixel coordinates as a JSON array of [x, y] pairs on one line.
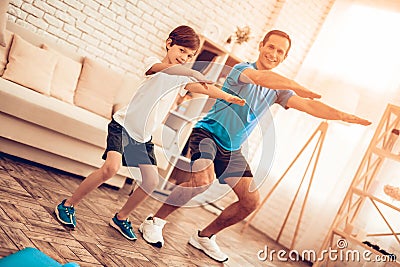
[[129, 132]]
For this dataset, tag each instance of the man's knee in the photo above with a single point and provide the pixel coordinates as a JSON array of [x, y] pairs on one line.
[[250, 202], [202, 179], [202, 165]]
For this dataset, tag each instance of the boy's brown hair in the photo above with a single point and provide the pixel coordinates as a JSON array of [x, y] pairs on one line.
[[185, 36]]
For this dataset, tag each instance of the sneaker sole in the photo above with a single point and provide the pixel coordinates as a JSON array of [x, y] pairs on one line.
[[113, 225], [70, 225], [196, 245], [157, 244]]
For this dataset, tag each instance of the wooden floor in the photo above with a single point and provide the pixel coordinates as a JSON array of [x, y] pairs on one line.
[[29, 193]]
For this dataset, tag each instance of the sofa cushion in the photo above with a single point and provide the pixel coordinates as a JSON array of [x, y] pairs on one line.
[[97, 87], [52, 113], [65, 77], [30, 66], [4, 51], [129, 86], [3, 21]]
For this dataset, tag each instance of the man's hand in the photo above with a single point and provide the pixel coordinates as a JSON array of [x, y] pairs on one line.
[[354, 119], [235, 100]]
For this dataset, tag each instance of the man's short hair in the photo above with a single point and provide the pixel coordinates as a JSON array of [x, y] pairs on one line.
[[280, 33]]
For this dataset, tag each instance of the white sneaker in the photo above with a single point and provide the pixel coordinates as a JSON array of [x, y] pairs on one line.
[[151, 230], [209, 246]]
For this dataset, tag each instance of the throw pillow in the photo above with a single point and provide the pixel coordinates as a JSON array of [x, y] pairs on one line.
[[65, 77], [97, 87], [4, 51], [30, 66], [3, 21], [129, 85]]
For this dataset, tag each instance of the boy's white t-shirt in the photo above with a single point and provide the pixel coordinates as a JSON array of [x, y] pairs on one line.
[[151, 103]]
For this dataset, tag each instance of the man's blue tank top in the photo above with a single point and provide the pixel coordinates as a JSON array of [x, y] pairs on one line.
[[232, 124]]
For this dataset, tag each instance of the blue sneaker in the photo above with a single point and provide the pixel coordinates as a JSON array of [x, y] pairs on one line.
[[124, 227], [66, 215]]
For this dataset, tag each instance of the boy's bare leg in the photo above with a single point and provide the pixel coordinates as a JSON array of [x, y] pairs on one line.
[[149, 183], [96, 178]]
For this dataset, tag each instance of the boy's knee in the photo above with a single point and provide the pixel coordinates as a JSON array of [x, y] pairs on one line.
[[109, 171], [149, 183]]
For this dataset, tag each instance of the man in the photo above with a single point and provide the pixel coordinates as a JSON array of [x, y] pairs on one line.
[[216, 141]]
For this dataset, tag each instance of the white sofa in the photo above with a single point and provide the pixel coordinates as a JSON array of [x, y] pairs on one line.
[[71, 136], [56, 133], [47, 130]]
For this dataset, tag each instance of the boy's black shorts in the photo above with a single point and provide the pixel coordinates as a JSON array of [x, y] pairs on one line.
[[226, 163], [133, 152]]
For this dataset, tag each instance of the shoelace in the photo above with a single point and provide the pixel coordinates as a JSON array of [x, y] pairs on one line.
[[127, 224], [69, 211]]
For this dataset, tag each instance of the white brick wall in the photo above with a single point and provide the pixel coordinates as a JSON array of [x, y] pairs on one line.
[[121, 33], [302, 20], [111, 30]]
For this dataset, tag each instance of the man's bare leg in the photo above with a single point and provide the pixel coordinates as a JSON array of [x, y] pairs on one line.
[[202, 177], [238, 211]]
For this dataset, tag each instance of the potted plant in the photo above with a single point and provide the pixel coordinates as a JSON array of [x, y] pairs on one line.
[[241, 35]]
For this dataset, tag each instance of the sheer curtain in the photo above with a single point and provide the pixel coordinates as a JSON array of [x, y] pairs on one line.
[[355, 64]]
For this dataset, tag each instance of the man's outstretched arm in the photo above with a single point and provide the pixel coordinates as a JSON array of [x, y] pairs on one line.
[[323, 111], [270, 79]]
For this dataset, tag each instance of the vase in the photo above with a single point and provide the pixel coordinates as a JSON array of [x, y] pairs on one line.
[[240, 50]]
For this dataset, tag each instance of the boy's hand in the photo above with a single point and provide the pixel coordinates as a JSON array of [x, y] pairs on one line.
[[235, 100], [354, 119], [304, 92]]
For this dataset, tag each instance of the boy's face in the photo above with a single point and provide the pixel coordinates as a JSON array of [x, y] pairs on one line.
[[177, 54], [273, 52]]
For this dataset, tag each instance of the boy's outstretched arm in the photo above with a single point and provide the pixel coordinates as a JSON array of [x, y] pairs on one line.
[[214, 92], [270, 79], [321, 110], [176, 69]]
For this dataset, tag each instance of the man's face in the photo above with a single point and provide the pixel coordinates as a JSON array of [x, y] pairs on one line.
[[273, 52], [179, 54]]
